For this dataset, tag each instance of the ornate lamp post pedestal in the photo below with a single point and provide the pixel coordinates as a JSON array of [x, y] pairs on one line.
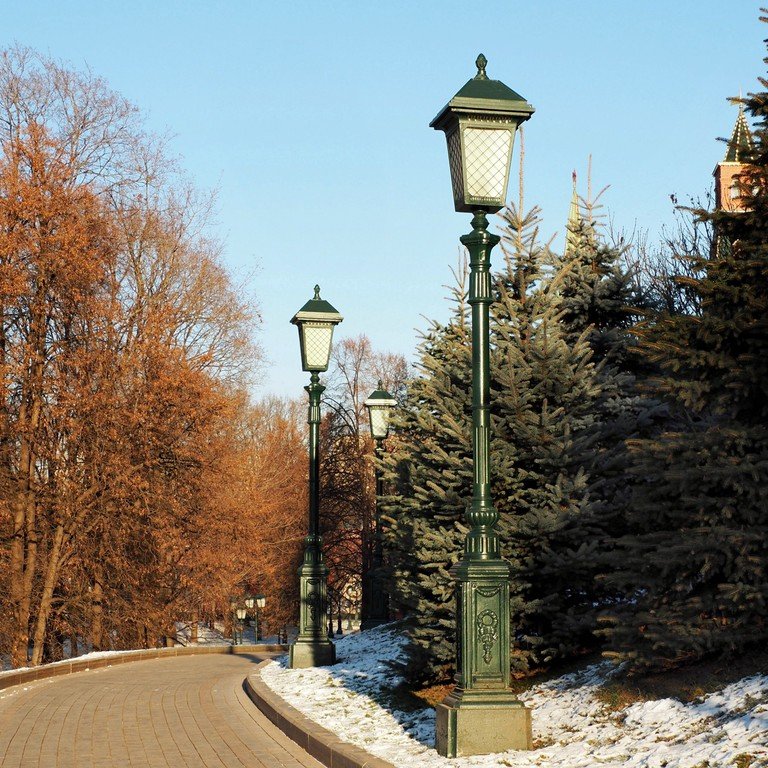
[[315, 321], [312, 647], [481, 715]]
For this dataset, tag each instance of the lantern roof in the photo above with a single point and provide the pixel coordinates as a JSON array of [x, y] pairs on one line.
[[380, 396], [481, 94], [317, 309]]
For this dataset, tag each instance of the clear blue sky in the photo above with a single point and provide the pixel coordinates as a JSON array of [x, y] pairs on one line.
[[311, 119]]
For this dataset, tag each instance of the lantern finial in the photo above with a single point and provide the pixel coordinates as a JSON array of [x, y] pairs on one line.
[[317, 292], [481, 62]]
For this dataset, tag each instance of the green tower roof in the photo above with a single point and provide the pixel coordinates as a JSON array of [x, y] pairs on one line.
[[740, 144]]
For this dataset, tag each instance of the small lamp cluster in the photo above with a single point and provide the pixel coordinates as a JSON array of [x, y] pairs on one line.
[[241, 607]]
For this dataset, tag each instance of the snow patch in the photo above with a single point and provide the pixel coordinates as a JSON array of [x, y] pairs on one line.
[[571, 727]]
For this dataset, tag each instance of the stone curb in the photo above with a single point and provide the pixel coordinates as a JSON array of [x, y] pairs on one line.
[[83, 665], [320, 743]]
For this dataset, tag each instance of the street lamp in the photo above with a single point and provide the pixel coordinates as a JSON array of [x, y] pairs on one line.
[[260, 601], [316, 321], [240, 612], [375, 605], [481, 715]]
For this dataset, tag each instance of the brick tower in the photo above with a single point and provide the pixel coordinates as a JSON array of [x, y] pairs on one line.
[[727, 183]]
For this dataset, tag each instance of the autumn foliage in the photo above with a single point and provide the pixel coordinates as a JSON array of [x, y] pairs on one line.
[[138, 484]]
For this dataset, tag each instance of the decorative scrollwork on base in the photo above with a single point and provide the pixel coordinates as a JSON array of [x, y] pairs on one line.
[[313, 600], [487, 632]]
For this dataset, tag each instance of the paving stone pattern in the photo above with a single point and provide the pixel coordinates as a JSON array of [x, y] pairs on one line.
[[164, 713]]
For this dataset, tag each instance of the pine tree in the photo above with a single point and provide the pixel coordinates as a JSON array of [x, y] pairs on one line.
[[600, 298], [544, 394], [430, 470], [696, 567]]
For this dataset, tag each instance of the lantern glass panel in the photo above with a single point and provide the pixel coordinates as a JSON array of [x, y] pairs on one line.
[[379, 416], [261, 601], [241, 613], [317, 338], [456, 165], [249, 602], [486, 155]]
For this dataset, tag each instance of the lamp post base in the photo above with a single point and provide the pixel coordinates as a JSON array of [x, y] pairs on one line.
[[481, 723], [482, 715], [312, 647], [311, 653]]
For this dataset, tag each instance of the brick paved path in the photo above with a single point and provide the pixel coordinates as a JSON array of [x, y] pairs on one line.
[[163, 713]]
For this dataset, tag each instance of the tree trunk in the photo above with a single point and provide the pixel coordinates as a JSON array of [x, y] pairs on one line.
[[24, 545], [46, 599], [97, 614]]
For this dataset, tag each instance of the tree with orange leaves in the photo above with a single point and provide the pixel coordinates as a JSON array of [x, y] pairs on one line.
[[124, 348]]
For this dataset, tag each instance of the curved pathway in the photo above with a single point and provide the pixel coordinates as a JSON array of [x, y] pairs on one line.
[[163, 713]]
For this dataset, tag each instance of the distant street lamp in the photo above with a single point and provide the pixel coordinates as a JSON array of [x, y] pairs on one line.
[[316, 321], [240, 612], [481, 715], [375, 605], [260, 601]]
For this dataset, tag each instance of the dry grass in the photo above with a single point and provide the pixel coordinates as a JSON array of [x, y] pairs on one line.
[[431, 695], [687, 684]]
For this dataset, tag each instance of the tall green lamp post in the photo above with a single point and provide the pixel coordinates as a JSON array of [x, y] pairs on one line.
[[481, 715], [315, 321], [375, 605]]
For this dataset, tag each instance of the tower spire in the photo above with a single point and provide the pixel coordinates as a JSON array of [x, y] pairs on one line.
[[740, 144], [727, 173]]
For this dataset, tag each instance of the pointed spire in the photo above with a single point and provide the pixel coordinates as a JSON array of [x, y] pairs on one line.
[[574, 219], [740, 144]]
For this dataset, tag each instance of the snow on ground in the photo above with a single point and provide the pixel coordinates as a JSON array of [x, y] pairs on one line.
[[205, 635], [571, 728], [85, 657]]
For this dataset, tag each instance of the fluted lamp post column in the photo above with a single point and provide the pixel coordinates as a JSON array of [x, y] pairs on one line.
[[315, 321], [375, 603], [481, 715]]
